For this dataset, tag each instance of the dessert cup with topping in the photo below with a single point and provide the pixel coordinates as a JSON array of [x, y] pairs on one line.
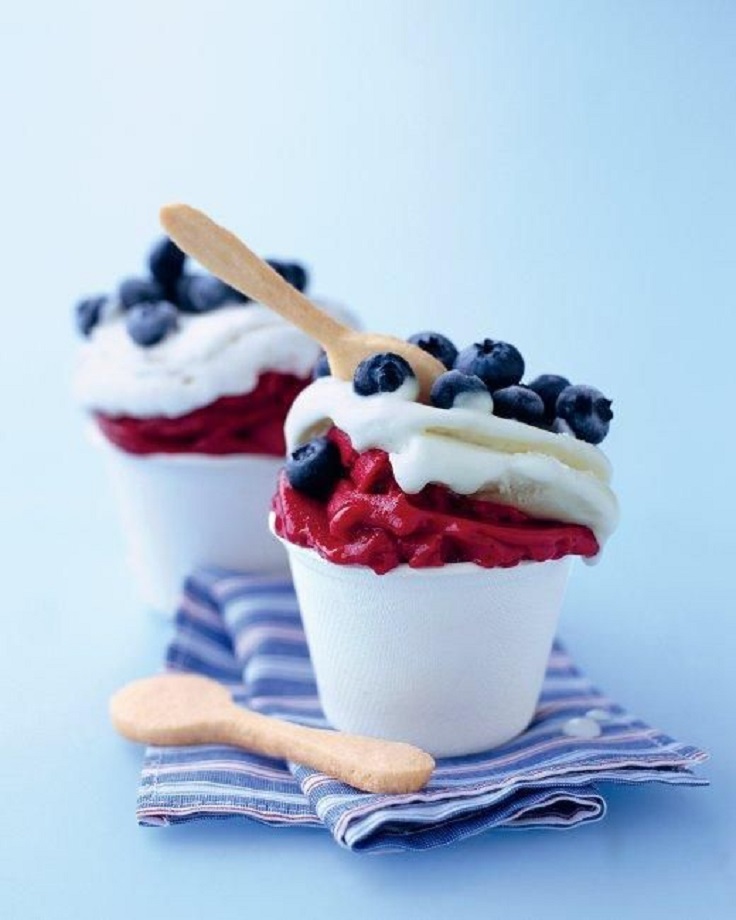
[[430, 544], [187, 385]]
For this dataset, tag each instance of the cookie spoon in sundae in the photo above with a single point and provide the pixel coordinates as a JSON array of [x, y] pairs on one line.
[[227, 257]]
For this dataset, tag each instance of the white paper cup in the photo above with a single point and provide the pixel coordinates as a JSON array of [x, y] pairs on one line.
[[451, 659], [183, 511]]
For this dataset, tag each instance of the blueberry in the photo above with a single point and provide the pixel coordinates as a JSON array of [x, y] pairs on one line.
[[150, 323], [321, 368], [549, 387], [519, 403], [293, 272], [203, 293], [455, 390], [587, 412], [314, 468], [166, 262], [498, 364], [439, 346], [88, 313], [139, 290], [383, 373]]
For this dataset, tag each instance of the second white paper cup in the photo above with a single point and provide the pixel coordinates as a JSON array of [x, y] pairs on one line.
[[451, 659], [184, 511]]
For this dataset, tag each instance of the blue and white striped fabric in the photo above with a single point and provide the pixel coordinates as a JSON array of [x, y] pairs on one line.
[[245, 631]]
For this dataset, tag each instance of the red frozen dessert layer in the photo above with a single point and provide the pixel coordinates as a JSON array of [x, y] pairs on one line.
[[251, 423], [369, 521]]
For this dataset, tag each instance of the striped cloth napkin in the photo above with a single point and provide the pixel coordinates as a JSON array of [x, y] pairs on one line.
[[245, 631]]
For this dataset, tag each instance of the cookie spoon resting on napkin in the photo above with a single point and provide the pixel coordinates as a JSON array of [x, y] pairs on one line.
[[186, 709]]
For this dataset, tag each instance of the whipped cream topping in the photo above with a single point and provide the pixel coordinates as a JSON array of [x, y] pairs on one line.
[[221, 353], [547, 475]]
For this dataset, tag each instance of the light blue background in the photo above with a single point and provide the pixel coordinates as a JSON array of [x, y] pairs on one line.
[[560, 174]]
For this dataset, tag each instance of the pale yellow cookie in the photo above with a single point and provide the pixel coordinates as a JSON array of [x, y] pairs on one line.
[[222, 253], [183, 709]]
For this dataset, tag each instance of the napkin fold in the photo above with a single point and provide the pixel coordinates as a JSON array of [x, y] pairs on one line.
[[245, 631]]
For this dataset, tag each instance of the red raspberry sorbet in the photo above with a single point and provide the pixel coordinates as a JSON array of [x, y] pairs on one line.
[[368, 520], [250, 423]]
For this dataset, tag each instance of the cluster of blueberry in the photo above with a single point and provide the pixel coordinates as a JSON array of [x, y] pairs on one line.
[[152, 304], [486, 376]]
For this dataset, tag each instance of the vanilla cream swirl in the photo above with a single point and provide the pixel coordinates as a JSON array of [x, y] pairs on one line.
[[546, 475], [210, 355]]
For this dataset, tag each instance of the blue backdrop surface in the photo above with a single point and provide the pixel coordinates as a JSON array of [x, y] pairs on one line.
[[557, 174]]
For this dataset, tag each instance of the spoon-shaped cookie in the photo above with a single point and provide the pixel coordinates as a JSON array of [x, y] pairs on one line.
[[222, 253], [183, 709]]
